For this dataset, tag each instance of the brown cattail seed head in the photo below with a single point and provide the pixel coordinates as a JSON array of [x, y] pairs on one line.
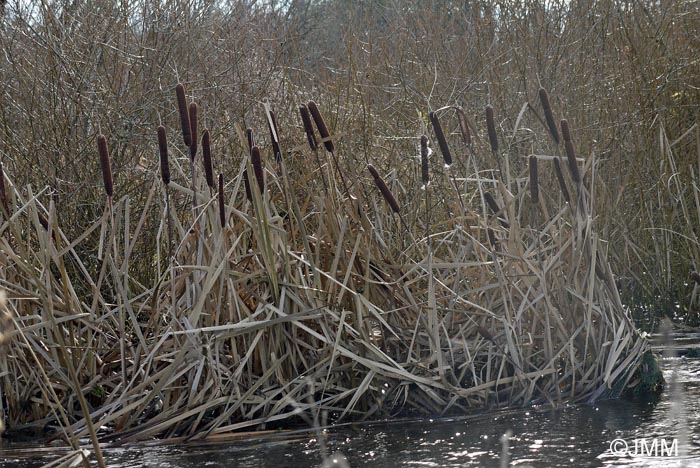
[[548, 115], [246, 184], [308, 128], [256, 162], [3, 192], [320, 125], [163, 148], [106, 166], [442, 141], [464, 127], [184, 114], [381, 185], [424, 153], [274, 137], [562, 182], [250, 138], [206, 158], [491, 202], [570, 152], [491, 129], [194, 111], [695, 277], [534, 187], [222, 208]]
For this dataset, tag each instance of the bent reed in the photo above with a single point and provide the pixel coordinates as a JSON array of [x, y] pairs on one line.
[[302, 294]]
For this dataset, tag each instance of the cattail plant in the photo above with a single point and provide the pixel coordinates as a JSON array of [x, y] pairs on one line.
[[386, 193], [440, 136], [222, 207], [491, 202], [105, 164], [206, 158], [184, 114], [548, 115], [464, 127], [3, 192], [534, 188], [321, 126], [491, 129], [308, 128], [163, 149], [570, 153], [250, 138], [274, 137], [424, 153], [246, 185], [256, 162], [194, 110]]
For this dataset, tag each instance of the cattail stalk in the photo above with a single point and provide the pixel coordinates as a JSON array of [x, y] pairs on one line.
[[570, 152], [3, 192], [562, 181], [194, 111], [424, 152], [321, 125], [256, 162], [548, 115], [534, 187], [222, 208], [386, 193], [105, 164], [184, 114], [206, 158], [440, 136], [163, 149]]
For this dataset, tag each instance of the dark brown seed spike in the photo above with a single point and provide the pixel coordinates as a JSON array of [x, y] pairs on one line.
[[440, 136], [105, 164], [320, 125], [184, 114], [222, 208], [163, 148], [491, 129], [246, 184], [206, 158], [386, 193], [256, 161], [424, 151], [534, 187], [570, 152], [250, 137], [548, 115], [194, 118], [695, 277], [308, 128], [491, 202]]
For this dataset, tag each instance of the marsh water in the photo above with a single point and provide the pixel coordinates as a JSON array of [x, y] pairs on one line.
[[663, 432]]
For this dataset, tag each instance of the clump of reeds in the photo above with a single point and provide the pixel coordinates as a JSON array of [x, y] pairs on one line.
[[548, 115], [206, 159], [570, 152], [384, 189], [440, 136], [106, 165], [184, 114]]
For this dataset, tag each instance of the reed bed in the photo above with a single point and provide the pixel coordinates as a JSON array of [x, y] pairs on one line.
[[301, 294]]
